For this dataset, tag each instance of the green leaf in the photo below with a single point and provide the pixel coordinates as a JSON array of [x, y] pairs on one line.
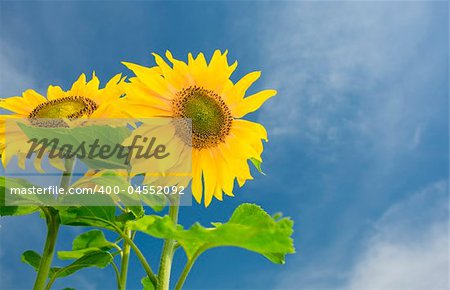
[[104, 178], [72, 255], [110, 178], [147, 284], [93, 238], [99, 259], [125, 217], [257, 165], [90, 241], [114, 179], [31, 258], [156, 201], [5, 185], [34, 259], [137, 210], [250, 227], [96, 216]]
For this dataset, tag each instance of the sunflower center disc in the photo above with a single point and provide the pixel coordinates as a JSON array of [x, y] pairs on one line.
[[211, 117], [71, 107]]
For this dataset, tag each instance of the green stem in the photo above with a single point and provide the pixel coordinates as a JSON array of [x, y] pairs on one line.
[[136, 250], [116, 271], [165, 265], [67, 174], [141, 258], [52, 218], [187, 268], [125, 259]]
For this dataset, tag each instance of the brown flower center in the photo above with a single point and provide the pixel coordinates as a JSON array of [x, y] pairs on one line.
[[211, 117], [72, 107]]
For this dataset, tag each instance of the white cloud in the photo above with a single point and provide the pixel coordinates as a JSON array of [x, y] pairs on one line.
[[408, 249], [416, 263]]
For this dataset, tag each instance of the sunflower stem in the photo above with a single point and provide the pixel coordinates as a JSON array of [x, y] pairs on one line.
[[187, 268], [125, 261], [165, 265], [67, 174], [52, 219]]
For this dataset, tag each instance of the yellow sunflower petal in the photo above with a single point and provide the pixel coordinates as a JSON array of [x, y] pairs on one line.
[[114, 81], [236, 93], [227, 176], [209, 175], [152, 79], [93, 85], [218, 71], [205, 93], [17, 105], [253, 133], [181, 69], [33, 97], [78, 87], [58, 163], [38, 164], [55, 92], [252, 103], [198, 69], [197, 187]]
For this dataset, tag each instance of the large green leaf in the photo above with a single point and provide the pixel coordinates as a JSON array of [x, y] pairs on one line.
[[90, 241], [5, 185], [250, 227]]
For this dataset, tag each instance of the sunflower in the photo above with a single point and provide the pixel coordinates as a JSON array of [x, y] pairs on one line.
[[222, 142], [84, 100]]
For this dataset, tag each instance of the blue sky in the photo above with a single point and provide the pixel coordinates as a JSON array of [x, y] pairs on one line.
[[358, 150]]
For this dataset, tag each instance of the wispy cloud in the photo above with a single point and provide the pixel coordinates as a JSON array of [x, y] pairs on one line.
[[407, 249], [345, 68], [357, 92], [410, 247]]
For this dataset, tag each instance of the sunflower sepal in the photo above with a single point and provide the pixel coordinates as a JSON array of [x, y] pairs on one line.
[[257, 164]]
